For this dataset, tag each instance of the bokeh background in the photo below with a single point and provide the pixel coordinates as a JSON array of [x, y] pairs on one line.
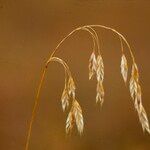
[[29, 31]]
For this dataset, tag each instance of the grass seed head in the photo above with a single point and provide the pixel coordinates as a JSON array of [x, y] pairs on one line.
[[92, 65], [124, 68]]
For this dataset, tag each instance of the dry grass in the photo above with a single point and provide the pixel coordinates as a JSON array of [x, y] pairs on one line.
[[96, 68]]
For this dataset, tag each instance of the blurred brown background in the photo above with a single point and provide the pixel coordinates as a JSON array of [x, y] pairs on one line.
[[29, 31]]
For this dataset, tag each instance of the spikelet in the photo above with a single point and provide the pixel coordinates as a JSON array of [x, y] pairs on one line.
[[138, 99], [75, 116], [100, 93], [135, 72], [143, 119], [134, 80], [136, 93], [133, 87], [77, 111], [124, 68], [92, 65], [71, 87], [100, 69], [141, 111], [65, 99], [100, 78], [69, 122]]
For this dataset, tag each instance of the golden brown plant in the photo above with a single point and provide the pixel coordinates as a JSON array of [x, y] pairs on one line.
[[96, 68]]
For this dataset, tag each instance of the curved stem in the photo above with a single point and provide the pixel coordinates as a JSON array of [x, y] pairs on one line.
[[61, 62], [77, 29], [63, 41], [121, 44], [93, 37], [101, 26], [36, 103], [35, 109], [115, 31], [97, 39]]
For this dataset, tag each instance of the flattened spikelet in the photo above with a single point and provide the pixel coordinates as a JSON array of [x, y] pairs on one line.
[[135, 72], [100, 93], [136, 93], [92, 65], [138, 98], [143, 119], [77, 111], [141, 111], [65, 99], [133, 87], [100, 78], [69, 122], [71, 87], [100, 69], [124, 68], [134, 80], [75, 116]]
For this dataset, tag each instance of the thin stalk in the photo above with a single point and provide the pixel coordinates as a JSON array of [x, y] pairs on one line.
[[66, 67], [115, 31], [93, 37], [36, 103], [121, 44], [101, 26], [97, 39], [59, 44], [72, 32]]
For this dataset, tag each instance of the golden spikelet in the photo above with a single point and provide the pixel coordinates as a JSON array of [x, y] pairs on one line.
[[69, 122], [100, 93], [100, 78], [133, 87], [124, 68], [143, 119], [100, 69], [75, 116], [92, 65], [136, 93], [141, 111], [134, 80], [135, 72], [138, 98], [71, 87], [65, 99], [77, 111]]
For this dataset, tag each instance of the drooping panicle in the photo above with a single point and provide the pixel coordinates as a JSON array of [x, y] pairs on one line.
[[124, 68]]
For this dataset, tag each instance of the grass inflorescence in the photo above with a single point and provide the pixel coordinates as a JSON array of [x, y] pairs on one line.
[[96, 68]]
